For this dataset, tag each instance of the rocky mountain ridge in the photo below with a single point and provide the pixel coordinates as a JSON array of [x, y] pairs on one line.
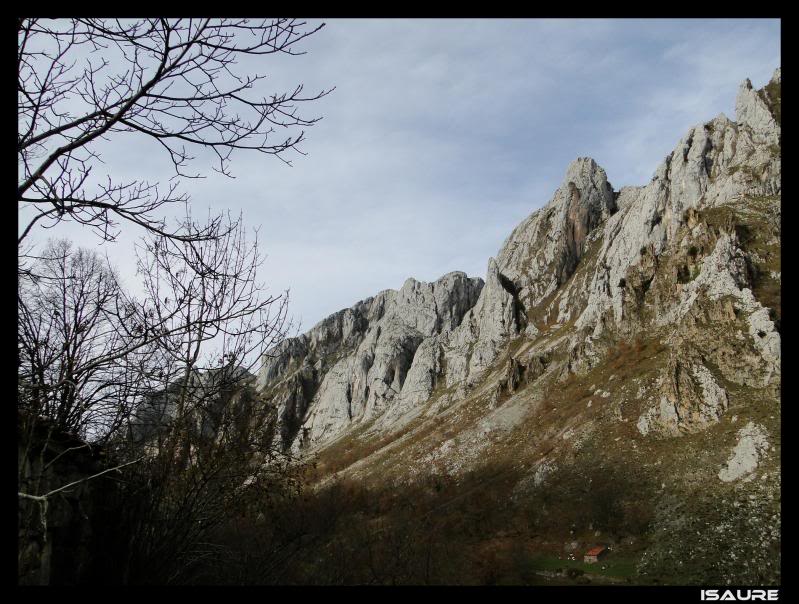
[[365, 360], [379, 360], [615, 379]]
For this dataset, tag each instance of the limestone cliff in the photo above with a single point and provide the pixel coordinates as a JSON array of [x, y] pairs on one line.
[[360, 362], [383, 358], [630, 329]]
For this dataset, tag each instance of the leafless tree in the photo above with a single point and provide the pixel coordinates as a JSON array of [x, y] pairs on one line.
[[76, 366], [175, 367], [173, 81], [79, 378], [88, 349], [209, 434], [164, 380], [209, 317]]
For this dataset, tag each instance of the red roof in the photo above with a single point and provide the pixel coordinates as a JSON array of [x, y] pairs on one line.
[[595, 551]]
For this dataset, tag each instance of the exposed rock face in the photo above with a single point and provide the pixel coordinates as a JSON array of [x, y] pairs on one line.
[[714, 164], [690, 399], [617, 339], [485, 329], [353, 366], [756, 109], [669, 260], [752, 445], [543, 251]]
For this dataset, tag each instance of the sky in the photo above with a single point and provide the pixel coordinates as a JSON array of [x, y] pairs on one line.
[[442, 135]]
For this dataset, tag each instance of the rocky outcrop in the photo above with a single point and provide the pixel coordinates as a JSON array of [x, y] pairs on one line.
[[716, 162], [339, 332], [689, 400], [752, 445], [484, 331], [364, 361], [590, 268], [544, 250], [757, 109], [620, 340]]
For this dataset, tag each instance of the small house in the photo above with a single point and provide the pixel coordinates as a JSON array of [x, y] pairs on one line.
[[594, 554]]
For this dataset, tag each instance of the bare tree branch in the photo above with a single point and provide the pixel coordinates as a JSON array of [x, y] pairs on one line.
[[173, 81]]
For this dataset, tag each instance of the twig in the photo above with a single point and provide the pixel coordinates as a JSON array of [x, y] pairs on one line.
[[42, 499]]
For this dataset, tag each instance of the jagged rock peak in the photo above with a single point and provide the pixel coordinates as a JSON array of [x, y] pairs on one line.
[[590, 199], [436, 306], [352, 365], [584, 171], [756, 109], [586, 191], [579, 258]]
